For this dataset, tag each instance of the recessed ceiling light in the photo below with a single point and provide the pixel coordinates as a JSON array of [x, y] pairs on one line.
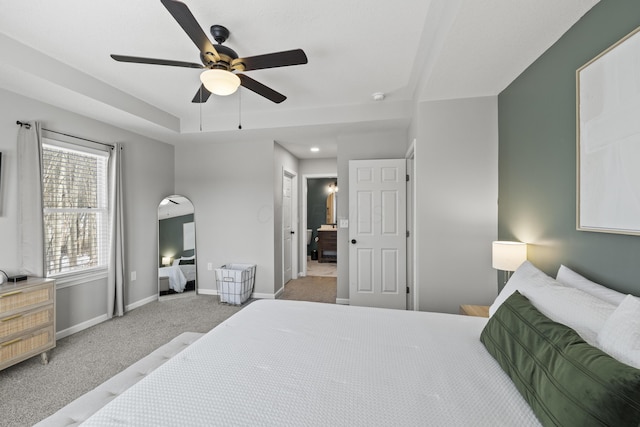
[[378, 96], [315, 149]]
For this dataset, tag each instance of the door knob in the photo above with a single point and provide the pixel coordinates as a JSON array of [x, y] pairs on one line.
[[293, 232], [353, 241]]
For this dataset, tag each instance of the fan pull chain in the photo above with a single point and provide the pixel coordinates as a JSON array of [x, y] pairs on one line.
[[200, 94], [240, 108]]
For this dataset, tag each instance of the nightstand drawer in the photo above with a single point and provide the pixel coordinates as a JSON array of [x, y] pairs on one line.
[[20, 322], [23, 298], [25, 346]]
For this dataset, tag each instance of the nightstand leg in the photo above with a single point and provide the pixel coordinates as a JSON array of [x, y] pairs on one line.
[[44, 357]]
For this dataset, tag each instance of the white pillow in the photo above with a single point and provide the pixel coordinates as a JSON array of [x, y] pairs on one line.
[[177, 260], [620, 336], [568, 277], [527, 275], [582, 312]]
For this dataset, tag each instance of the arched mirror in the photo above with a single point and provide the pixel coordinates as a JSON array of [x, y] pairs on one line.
[[176, 246]]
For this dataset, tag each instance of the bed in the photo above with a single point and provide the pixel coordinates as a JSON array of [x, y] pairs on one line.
[[281, 362], [175, 276], [188, 267], [298, 363], [180, 274]]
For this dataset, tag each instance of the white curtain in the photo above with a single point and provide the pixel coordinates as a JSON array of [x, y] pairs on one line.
[[116, 277], [31, 223]]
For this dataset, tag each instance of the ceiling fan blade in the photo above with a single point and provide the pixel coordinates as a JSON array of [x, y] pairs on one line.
[[202, 95], [187, 21], [261, 89], [272, 60], [139, 60]]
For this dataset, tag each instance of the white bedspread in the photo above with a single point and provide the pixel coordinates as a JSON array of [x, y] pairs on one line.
[[189, 271], [177, 280], [297, 363]]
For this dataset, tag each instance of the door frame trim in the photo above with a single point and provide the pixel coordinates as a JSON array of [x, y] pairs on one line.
[[294, 223], [412, 224]]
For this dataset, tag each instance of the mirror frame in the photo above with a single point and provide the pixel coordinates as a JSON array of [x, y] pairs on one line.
[[161, 257]]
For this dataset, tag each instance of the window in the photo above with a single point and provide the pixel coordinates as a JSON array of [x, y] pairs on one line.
[[74, 187]]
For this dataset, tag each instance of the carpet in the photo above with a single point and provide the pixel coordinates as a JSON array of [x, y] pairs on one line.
[[327, 269], [311, 288]]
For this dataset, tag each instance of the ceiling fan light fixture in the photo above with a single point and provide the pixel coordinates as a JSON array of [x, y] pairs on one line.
[[220, 82]]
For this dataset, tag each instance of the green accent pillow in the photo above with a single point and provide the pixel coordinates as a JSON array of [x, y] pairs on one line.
[[566, 381]]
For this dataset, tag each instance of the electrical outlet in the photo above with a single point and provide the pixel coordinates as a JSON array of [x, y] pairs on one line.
[[209, 266], [344, 223], [133, 276]]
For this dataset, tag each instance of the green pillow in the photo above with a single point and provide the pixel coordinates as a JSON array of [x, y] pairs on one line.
[[566, 381]]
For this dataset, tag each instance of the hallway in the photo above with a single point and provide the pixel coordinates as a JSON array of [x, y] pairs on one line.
[[320, 285]]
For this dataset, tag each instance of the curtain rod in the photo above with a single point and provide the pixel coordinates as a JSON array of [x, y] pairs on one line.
[[28, 126]]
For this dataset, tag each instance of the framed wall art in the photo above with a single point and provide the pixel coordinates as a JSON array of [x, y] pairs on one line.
[[608, 139]]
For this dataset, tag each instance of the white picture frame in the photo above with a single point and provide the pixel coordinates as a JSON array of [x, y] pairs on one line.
[[608, 139], [189, 236]]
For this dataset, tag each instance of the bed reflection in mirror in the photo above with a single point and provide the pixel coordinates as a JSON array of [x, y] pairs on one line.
[[176, 246]]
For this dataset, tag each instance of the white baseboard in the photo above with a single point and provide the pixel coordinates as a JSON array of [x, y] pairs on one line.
[[81, 326], [343, 301], [256, 295], [103, 317], [140, 303], [263, 296]]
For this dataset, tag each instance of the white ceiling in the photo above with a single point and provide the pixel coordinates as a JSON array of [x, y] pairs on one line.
[[411, 50]]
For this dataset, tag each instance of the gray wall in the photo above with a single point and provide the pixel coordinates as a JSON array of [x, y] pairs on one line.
[[231, 186], [456, 184], [537, 116], [147, 175]]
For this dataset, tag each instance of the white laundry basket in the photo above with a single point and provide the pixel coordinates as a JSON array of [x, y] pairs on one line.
[[235, 282]]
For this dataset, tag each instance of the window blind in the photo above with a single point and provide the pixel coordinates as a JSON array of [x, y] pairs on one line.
[[75, 208]]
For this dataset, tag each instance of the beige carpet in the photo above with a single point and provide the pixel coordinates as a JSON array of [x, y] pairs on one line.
[[327, 269], [311, 288]]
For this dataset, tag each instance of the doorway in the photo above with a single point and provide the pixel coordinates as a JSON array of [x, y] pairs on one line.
[[320, 197]]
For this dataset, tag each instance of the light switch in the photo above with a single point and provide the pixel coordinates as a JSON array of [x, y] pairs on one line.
[[344, 223], [209, 266], [133, 276]]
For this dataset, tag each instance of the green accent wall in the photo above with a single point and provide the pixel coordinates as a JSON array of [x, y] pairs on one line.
[[537, 157], [170, 240], [317, 206]]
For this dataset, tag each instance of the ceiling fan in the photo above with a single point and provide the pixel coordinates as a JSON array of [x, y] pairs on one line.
[[223, 67]]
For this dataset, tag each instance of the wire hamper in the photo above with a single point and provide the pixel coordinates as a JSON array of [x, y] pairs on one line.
[[235, 282]]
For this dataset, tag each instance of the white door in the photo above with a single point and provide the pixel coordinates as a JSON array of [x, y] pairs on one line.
[[377, 233], [287, 230]]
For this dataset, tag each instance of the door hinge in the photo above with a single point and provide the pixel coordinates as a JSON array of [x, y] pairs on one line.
[[408, 290], [407, 177], [408, 233]]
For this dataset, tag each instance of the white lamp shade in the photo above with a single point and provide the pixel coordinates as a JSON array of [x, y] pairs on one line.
[[166, 260], [220, 82], [508, 256]]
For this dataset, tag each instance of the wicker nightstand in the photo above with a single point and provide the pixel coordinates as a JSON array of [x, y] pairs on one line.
[[475, 310]]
